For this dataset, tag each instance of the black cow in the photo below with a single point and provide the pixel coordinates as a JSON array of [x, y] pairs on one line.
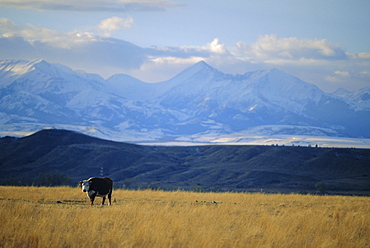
[[97, 186]]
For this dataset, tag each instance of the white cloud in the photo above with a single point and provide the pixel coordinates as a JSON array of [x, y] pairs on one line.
[[92, 5], [36, 32], [342, 73], [115, 23], [32, 33], [215, 47], [175, 60], [7, 25], [158, 69], [315, 61], [52, 38], [331, 79], [270, 49], [79, 50], [212, 47], [364, 55], [171, 60]]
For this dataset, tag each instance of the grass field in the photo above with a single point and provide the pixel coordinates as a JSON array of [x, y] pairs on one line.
[[62, 217]]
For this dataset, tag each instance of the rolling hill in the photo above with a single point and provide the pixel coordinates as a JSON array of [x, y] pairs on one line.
[[65, 157]]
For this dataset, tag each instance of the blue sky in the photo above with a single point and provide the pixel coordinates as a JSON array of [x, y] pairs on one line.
[[323, 42]]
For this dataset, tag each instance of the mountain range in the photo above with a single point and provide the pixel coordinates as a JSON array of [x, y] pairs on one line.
[[197, 102]]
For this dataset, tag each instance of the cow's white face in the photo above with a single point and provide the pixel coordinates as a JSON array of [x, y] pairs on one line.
[[85, 186]]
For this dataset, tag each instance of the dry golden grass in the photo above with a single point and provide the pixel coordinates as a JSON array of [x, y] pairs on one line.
[[62, 217]]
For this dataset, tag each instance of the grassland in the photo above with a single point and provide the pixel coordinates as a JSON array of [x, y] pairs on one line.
[[62, 217]]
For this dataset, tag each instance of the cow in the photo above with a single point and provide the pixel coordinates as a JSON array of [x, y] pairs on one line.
[[97, 186]]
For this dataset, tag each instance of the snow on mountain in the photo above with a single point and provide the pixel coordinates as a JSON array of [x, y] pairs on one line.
[[17, 67], [202, 85], [237, 101], [53, 94], [342, 93], [199, 100], [130, 87], [361, 95], [282, 88]]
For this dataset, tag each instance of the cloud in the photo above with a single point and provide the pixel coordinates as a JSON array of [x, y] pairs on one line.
[[342, 73], [92, 5], [53, 38], [107, 26], [338, 76], [215, 47], [163, 68], [79, 50], [316, 61], [28, 31], [7, 25], [166, 62], [272, 50], [115, 23], [15, 47], [36, 32]]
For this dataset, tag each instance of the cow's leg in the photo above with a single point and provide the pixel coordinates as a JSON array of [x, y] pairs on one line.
[[110, 199], [102, 203], [92, 200]]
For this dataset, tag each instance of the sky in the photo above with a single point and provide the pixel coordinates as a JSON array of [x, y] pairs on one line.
[[326, 43]]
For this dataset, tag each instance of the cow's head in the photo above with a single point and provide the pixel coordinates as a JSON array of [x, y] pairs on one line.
[[85, 185]]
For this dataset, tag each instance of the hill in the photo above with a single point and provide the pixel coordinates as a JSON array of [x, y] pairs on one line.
[[64, 157]]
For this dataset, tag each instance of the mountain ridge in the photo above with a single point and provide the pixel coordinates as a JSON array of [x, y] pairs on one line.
[[197, 101]]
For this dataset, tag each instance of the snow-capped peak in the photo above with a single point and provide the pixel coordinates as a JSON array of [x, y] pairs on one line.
[[54, 70], [199, 99], [361, 95], [17, 67], [342, 93], [199, 71], [287, 86]]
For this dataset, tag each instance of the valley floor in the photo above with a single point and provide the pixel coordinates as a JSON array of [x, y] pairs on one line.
[[62, 217]]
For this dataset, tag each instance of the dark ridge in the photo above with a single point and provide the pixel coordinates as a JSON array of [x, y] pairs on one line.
[[55, 157]]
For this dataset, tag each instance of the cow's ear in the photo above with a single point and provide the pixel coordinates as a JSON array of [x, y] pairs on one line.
[[80, 183]]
